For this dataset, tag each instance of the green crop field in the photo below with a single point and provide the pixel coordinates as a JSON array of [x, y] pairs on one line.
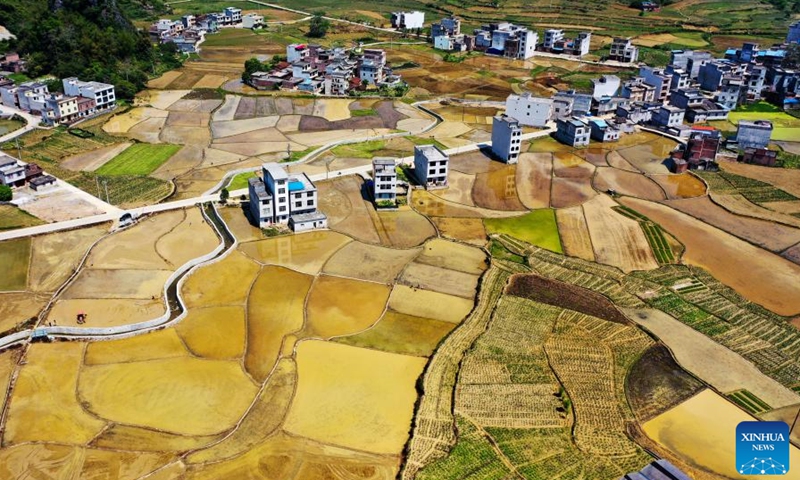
[[138, 159], [749, 402], [14, 256], [239, 181], [12, 217], [537, 228]]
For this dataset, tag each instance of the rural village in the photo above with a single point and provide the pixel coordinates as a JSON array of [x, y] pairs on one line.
[[409, 240]]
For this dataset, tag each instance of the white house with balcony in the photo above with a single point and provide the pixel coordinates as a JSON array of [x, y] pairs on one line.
[[506, 138], [384, 181], [282, 198], [431, 166], [12, 173], [408, 20], [102, 93]]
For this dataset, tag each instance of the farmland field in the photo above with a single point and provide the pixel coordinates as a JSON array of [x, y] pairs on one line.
[[537, 228], [12, 217]]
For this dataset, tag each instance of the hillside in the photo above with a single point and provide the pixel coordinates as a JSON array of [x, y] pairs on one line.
[[92, 39]]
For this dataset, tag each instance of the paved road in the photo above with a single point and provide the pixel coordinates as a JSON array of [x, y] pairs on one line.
[[33, 122]]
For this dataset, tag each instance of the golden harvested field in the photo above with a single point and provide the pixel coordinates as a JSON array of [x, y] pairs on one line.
[[711, 362], [353, 397], [17, 307], [44, 406], [130, 284], [700, 431], [684, 185], [534, 174], [236, 271], [370, 262], [275, 308], [429, 304], [442, 280], [217, 333], [403, 334], [304, 252], [150, 346], [627, 183], [106, 312], [177, 395], [617, 240], [756, 274], [331, 312], [459, 188], [497, 190], [574, 233], [649, 155], [125, 437], [403, 228], [739, 205], [453, 256], [769, 235], [469, 230], [428, 204], [54, 257], [341, 200], [240, 225]]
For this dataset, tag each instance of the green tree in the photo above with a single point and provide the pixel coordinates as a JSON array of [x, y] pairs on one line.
[[318, 26], [250, 67], [5, 193], [224, 195]]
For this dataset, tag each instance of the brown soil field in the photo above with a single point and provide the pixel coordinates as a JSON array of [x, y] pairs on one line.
[[369, 262], [211, 81], [627, 183], [217, 333], [148, 131], [710, 361], [403, 228], [125, 437], [564, 295], [160, 99], [44, 406], [617, 240], [119, 283], [238, 127], [617, 161], [757, 275], [473, 163], [164, 80], [329, 313], [453, 256], [785, 179], [185, 160], [125, 122], [440, 280], [403, 334], [343, 202], [368, 388], [260, 422], [698, 431], [469, 230], [262, 135], [54, 257], [8, 362], [572, 182], [656, 383], [17, 307], [181, 135], [63, 461], [596, 155], [534, 174], [240, 225], [134, 248], [684, 185], [227, 110], [769, 235], [305, 252], [275, 309], [741, 206], [574, 233], [791, 206], [178, 395], [649, 157], [149, 346], [105, 312], [792, 254], [459, 188], [429, 304], [187, 119], [497, 190], [236, 271], [91, 161], [431, 206], [786, 415]]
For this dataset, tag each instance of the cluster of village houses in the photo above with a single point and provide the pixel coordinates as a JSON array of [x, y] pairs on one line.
[[315, 69], [189, 32], [15, 174], [80, 99]]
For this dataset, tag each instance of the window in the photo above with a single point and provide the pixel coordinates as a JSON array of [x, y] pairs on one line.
[[298, 204], [282, 208], [281, 191], [310, 203]]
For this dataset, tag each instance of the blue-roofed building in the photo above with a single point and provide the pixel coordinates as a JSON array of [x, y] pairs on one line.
[[282, 198], [603, 131]]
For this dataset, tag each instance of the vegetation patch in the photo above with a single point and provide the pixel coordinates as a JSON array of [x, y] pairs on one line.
[[240, 180], [12, 217], [564, 295], [538, 228], [749, 402], [14, 257], [138, 159]]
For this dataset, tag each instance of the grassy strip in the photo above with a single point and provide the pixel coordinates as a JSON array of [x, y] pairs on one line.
[[12, 217], [363, 112], [538, 228], [740, 399], [138, 159], [654, 234], [752, 397], [240, 180], [499, 251]]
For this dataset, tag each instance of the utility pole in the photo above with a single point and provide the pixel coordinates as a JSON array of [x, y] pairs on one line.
[[19, 150], [105, 184]]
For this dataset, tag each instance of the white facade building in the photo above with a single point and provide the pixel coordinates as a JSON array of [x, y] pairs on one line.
[[102, 93], [384, 181], [252, 20], [551, 36], [506, 138], [282, 198], [623, 50], [431, 166], [668, 116], [408, 20], [12, 173], [606, 86], [529, 110]]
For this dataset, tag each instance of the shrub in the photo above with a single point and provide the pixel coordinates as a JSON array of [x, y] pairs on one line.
[[5, 193]]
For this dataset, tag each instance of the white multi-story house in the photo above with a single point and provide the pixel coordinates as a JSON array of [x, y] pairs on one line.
[[573, 131], [623, 50], [529, 110], [509, 40], [12, 173], [372, 66], [232, 15], [102, 93], [60, 109], [753, 134], [447, 26], [252, 21], [506, 138], [606, 86], [384, 181], [657, 78], [408, 20], [431, 166], [581, 44], [668, 116], [282, 198], [551, 37]]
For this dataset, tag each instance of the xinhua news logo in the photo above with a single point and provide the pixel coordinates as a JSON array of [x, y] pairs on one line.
[[762, 448]]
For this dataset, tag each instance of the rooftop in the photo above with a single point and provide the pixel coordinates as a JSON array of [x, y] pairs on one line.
[[389, 161], [431, 152], [276, 171], [308, 217], [259, 188]]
